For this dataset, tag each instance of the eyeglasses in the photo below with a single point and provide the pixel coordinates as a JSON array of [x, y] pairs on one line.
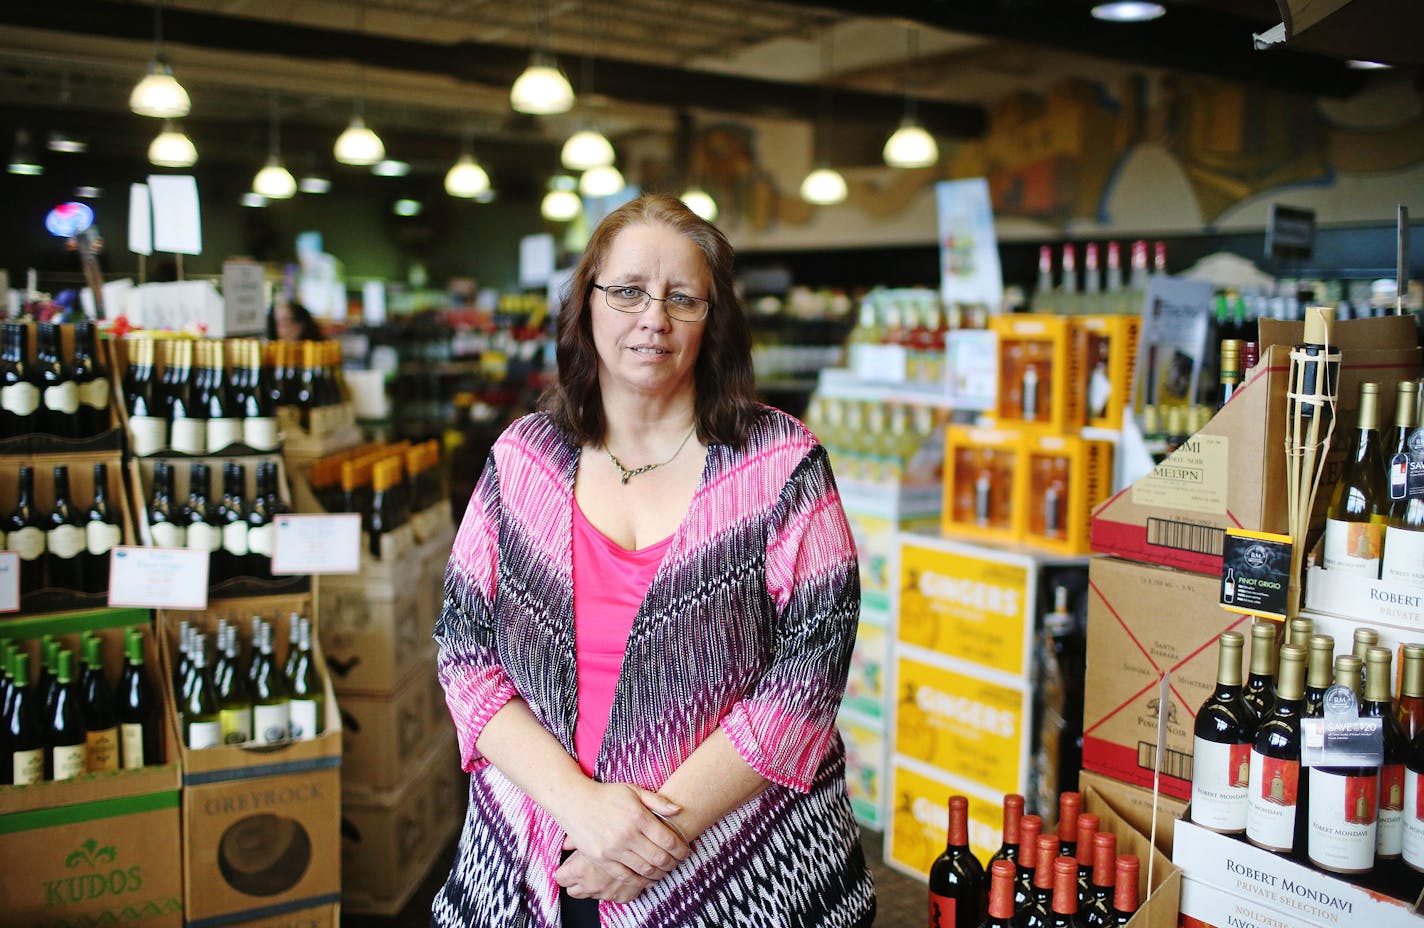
[[678, 306]]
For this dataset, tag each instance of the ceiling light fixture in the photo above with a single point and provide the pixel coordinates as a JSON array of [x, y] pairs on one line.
[[253, 199], [466, 179], [1359, 64], [1128, 11], [407, 208], [358, 145], [601, 182], [87, 192], [391, 168], [910, 146], [542, 90], [587, 148], [561, 204], [314, 183], [65, 144], [274, 181], [22, 156], [158, 93], [171, 148], [700, 202], [824, 186]]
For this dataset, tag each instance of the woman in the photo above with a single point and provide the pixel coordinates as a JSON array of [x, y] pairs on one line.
[[649, 614], [290, 321]]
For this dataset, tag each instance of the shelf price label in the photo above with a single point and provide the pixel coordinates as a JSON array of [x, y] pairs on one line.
[[317, 544], [159, 578]]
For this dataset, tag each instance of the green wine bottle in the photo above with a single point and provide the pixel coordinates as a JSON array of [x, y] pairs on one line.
[[234, 697], [67, 742], [139, 733], [202, 724], [24, 730], [308, 696], [271, 712], [101, 719]]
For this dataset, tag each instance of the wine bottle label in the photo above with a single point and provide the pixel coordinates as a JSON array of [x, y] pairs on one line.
[[234, 538], [28, 542], [1343, 815], [149, 435], [102, 750], [304, 719], [942, 911], [69, 760], [1220, 774], [131, 738], [223, 432], [99, 537], [260, 434], [62, 398], [20, 399], [1389, 841], [271, 724], [1270, 815], [189, 436], [28, 767], [204, 537], [236, 725], [168, 535], [260, 539], [1413, 819], [95, 393], [1403, 556], [65, 541], [1353, 547], [204, 735]]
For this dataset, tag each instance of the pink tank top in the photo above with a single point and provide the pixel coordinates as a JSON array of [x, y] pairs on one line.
[[609, 586]]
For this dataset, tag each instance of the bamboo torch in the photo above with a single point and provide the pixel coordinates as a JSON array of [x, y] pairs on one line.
[[1312, 388]]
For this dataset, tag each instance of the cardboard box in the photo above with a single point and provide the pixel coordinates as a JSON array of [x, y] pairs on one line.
[[1159, 909], [1133, 804], [867, 753], [869, 666], [390, 843], [109, 441], [918, 825], [981, 468], [1107, 346], [1354, 597], [1231, 472], [101, 848], [1061, 479], [385, 735], [1144, 621], [1036, 353], [1230, 882], [260, 823], [374, 633]]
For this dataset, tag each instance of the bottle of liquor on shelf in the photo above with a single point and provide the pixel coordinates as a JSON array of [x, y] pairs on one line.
[[187, 429], [1221, 750], [1230, 370], [166, 524], [64, 537], [1045, 299], [203, 530], [257, 407], [1396, 450], [1344, 813], [271, 706], [1298, 633], [1097, 910], [100, 714], [1087, 827], [25, 533], [1275, 816], [182, 667], [1125, 890], [49, 665], [146, 399], [261, 524], [1092, 280], [101, 533], [234, 695], [19, 383], [1013, 815], [1069, 302], [1001, 895], [215, 398], [59, 401], [958, 892], [1389, 842], [1260, 690], [139, 732], [1359, 505], [1350, 673], [1059, 657], [1319, 674], [1070, 805], [1030, 829], [306, 689], [233, 557], [202, 722], [92, 378], [1040, 909], [1065, 895], [24, 729], [1410, 711], [386, 514], [66, 738], [1403, 560]]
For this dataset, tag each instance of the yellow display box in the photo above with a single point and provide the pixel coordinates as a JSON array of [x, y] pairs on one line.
[[1062, 478], [1106, 350], [919, 819], [1039, 373], [980, 474]]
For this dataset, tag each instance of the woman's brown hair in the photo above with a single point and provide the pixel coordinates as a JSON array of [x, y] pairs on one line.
[[725, 388]]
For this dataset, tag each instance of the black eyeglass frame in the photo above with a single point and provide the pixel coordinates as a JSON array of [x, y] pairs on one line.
[[648, 298]]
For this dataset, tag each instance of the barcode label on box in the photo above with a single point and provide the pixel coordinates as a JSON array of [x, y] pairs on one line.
[[1176, 764], [1186, 536]]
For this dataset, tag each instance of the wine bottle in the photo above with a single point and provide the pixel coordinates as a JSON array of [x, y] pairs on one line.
[[59, 401], [148, 424], [1276, 810], [25, 729], [166, 523], [1411, 692], [234, 695], [259, 414], [1350, 673], [1087, 827], [294, 646], [1298, 633], [1013, 815], [1001, 894], [67, 739], [1060, 660], [92, 379], [385, 515], [101, 533], [101, 720], [1343, 816], [24, 533], [1097, 910], [184, 664], [1125, 890], [1389, 838], [1221, 749], [271, 708], [1040, 909], [8, 650], [958, 893], [1069, 806], [224, 418], [1365, 638], [1230, 369], [1359, 505], [187, 429], [202, 530], [19, 383], [1260, 691], [139, 733], [1065, 895], [261, 523], [1403, 560], [232, 515], [49, 666], [1030, 829], [1319, 675], [308, 707], [202, 725], [64, 538]]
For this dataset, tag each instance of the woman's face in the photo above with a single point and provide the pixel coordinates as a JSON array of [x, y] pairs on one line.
[[288, 329], [649, 352]]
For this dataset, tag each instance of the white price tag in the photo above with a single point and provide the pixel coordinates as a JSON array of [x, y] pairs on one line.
[[881, 363], [158, 578], [972, 357], [9, 581], [317, 544]]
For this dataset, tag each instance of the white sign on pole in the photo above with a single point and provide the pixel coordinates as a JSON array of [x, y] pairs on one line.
[[177, 219], [140, 220]]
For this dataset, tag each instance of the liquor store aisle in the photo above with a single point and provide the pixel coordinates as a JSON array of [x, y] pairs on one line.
[[901, 901]]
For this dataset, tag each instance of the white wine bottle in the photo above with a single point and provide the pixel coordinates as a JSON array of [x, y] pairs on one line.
[[271, 710], [305, 685], [202, 724], [1354, 522], [1403, 560]]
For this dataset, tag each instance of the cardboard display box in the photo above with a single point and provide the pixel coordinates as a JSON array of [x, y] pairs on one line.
[[109, 441], [1231, 473], [869, 667], [981, 468], [101, 848], [1160, 910], [384, 736], [1370, 601], [866, 754], [1144, 621], [918, 822], [1133, 804], [260, 823]]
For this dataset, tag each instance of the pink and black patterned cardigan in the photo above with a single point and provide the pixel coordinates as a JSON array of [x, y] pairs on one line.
[[748, 625]]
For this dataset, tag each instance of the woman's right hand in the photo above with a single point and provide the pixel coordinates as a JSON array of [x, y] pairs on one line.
[[614, 826]]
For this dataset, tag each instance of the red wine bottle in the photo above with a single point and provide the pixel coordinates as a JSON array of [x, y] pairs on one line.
[[1390, 836], [1097, 911], [1013, 815], [1087, 827], [1030, 828], [1221, 751], [1069, 805], [958, 890], [1039, 909], [1260, 691], [1125, 891], [1065, 895], [1319, 673], [1276, 810], [1001, 895]]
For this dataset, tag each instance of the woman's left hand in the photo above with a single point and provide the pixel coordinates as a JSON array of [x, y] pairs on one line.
[[586, 880]]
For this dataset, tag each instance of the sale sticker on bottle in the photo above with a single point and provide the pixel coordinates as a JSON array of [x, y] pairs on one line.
[[158, 578], [317, 544], [974, 608], [1255, 573]]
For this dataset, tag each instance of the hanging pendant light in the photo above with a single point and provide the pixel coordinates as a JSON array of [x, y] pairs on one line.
[[601, 182], [587, 148], [466, 179], [274, 181], [159, 94], [910, 146], [359, 145], [700, 202], [824, 187], [172, 148], [542, 90], [561, 204]]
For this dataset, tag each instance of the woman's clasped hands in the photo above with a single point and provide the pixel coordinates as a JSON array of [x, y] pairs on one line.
[[620, 840]]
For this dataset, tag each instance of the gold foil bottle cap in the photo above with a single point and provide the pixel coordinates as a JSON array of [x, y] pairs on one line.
[[1412, 683], [1228, 662], [1369, 406], [1299, 632], [1290, 680], [1263, 648], [1348, 672], [1322, 655], [1377, 680], [1365, 638], [1405, 414]]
